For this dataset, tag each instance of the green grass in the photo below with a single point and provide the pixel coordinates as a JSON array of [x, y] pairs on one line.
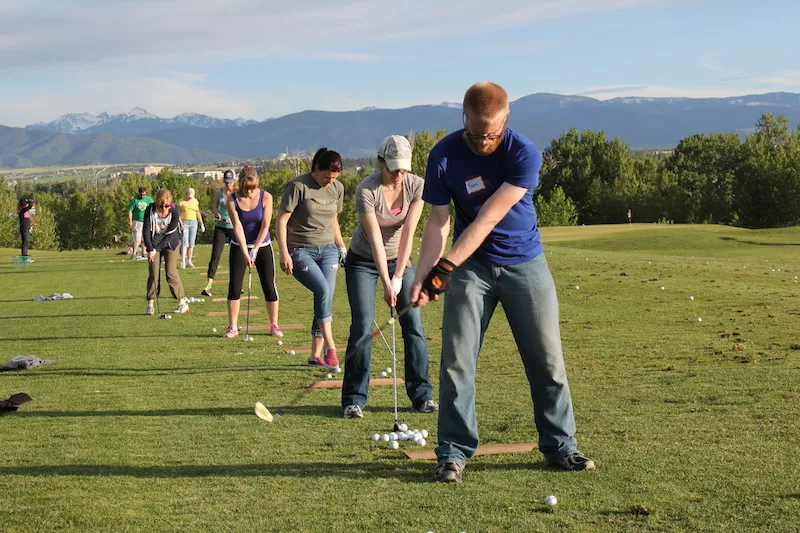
[[147, 425]]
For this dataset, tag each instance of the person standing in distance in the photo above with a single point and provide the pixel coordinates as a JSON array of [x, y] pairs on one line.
[[136, 209], [389, 205], [25, 208], [489, 172], [191, 218], [223, 227], [311, 244]]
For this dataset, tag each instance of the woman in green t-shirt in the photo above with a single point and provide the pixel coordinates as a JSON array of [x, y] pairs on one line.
[[223, 227]]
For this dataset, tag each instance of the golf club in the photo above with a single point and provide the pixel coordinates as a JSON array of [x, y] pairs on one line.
[[375, 333], [394, 369], [158, 289], [247, 320]]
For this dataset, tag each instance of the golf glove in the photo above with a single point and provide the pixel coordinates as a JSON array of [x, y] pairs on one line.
[[253, 254], [342, 256], [397, 284], [203, 228], [438, 279]]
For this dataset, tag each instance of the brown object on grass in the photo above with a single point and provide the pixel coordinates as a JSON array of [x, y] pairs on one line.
[[486, 449], [337, 384]]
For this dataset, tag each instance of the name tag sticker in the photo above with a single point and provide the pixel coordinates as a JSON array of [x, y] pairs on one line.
[[475, 185]]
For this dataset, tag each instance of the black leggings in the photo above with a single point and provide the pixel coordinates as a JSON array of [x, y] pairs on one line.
[[25, 235], [265, 265], [222, 236]]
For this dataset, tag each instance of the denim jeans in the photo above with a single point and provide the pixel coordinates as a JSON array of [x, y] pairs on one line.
[[189, 233], [528, 296], [316, 267], [362, 275]]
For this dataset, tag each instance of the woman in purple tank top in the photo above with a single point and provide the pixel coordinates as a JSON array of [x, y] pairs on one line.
[[250, 210]]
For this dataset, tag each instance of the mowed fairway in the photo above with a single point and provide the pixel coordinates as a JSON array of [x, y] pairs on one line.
[[148, 425]]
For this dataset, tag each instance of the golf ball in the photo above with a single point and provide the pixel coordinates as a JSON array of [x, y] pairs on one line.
[[392, 436], [213, 330], [402, 436], [280, 343], [420, 442], [337, 369], [699, 319], [291, 352], [385, 437], [662, 288], [384, 374], [375, 436], [424, 433], [388, 370], [403, 427], [576, 287], [691, 297], [550, 500], [169, 316], [394, 445], [328, 376]]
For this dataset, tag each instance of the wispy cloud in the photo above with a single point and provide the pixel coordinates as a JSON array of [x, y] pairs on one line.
[[790, 78], [665, 91], [711, 61]]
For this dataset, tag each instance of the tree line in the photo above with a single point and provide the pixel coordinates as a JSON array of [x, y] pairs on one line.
[[585, 178]]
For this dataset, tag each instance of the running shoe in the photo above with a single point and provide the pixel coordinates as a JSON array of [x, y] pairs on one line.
[[275, 331], [331, 361], [353, 411], [573, 461], [231, 332]]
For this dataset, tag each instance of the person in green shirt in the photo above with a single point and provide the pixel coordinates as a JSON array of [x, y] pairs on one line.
[[136, 209]]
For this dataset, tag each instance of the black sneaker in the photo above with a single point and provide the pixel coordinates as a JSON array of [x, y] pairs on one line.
[[574, 461], [448, 473], [206, 292]]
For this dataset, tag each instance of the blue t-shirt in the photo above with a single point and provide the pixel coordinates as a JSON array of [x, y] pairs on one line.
[[456, 173]]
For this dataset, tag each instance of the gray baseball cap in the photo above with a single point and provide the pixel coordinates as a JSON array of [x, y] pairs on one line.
[[396, 151], [229, 176]]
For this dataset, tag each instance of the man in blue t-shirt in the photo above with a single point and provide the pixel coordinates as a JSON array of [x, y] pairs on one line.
[[489, 172]]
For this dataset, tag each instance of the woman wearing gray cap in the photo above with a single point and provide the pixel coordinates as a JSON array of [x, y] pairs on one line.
[[223, 227], [389, 205]]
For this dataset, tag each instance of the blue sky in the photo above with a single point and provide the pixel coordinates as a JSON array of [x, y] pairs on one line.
[[259, 59]]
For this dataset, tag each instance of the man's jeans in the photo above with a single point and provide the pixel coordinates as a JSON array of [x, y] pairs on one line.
[[315, 267], [362, 275], [528, 296]]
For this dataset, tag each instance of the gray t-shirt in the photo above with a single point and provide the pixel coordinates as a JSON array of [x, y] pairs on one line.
[[313, 209], [370, 199]]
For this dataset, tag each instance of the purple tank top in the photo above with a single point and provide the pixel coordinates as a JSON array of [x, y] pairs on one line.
[[251, 220]]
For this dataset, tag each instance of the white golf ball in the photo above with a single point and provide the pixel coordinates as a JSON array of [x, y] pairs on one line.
[[392, 436], [337, 369], [420, 442], [394, 445], [550, 500], [328, 376], [403, 427], [402, 436], [699, 319], [384, 374], [280, 343], [291, 352], [213, 330], [662, 288], [576, 287], [375, 436], [388, 370], [424, 433], [385, 437], [691, 297], [250, 338]]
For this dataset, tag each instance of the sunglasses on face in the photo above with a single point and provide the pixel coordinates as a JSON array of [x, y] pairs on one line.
[[163, 206]]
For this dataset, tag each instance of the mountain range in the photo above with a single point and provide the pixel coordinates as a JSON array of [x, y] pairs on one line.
[[139, 136]]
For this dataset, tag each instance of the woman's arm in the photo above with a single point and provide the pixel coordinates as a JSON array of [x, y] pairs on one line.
[[407, 237], [266, 218], [285, 258]]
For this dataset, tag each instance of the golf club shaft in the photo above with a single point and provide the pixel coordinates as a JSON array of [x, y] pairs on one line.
[[249, 284], [395, 316], [394, 368], [158, 287]]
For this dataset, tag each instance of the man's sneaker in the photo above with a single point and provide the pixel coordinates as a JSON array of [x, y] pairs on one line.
[[353, 411], [331, 361], [430, 406], [316, 361], [275, 331], [150, 311], [231, 332], [183, 307], [189, 264], [448, 473], [574, 461], [207, 292]]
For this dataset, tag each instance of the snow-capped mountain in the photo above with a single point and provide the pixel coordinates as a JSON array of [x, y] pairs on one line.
[[137, 121]]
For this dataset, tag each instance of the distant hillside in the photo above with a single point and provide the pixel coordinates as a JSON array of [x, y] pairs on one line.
[[22, 148], [136, 122], [643, 123]]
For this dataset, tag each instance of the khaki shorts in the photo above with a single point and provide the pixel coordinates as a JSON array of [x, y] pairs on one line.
[[136, 232]]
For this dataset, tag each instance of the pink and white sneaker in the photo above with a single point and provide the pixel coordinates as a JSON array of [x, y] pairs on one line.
[[231, 332], [275, 331]]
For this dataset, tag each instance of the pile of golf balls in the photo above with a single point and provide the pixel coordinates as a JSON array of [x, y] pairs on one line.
[[193, 300], [416, 436]]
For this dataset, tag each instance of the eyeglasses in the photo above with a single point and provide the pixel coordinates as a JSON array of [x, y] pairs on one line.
[[487, 136], [163, 206]]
